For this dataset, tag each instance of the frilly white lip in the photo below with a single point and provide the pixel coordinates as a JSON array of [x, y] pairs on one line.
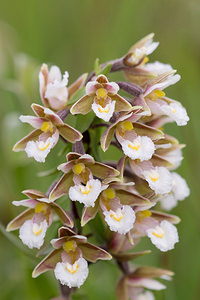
[[164, 236], [87, 194], [39, 149], [159, 180], [32, 234], [122, 220], [72, 275], [104, 113]]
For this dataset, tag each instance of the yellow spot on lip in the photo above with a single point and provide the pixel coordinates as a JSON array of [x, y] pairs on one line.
[[78, 168], [134, 147], [44, 146], [154, 177], [101, 93], [85, 189], [173, 110], [160, 236], [37, 229], [103, 110], [154, 95], [117, 216], [71, 268]]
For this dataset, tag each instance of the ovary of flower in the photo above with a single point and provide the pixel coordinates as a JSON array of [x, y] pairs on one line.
[[104, 112], [140, 148], [177, 112], [39, 149], [159, 180], [72, 275], [87, 194], [121, 220], [32, 234], [163, 236], [47, 127]]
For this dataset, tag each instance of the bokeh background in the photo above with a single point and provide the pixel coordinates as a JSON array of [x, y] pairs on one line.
[[71, 34]]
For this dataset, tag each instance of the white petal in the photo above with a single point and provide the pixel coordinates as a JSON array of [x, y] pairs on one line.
[[75, 279], [157, 67], [163, 236], [145, 296], [141, 148], [54, 74], [168, 201], [86, 194], [39, 149], [179, 187], [177, 112], [151, 284], [104, 113], [122, 220], [32, 234], [159, 180], [175, 157]]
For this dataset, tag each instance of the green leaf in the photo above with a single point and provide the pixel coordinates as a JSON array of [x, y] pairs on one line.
[[97, 67], [83, 122], [106, 70], [76, 96], [47, 172]]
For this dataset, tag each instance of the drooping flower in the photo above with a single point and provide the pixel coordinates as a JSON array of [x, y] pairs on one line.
[[102, 97], [34, 222], [53, 87], [138, 52], [164, 236], [48, 126], [69, 258], [133, 285]]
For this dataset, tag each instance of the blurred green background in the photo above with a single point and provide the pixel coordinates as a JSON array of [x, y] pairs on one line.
[[71, 34]]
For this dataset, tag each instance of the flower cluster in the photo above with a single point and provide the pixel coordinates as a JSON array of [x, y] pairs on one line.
[[128, 193]]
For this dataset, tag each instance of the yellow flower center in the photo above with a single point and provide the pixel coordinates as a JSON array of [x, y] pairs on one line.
[[43, 145], [37, 229], [109, 193], [101, 93], [143, 214], [47, 126], [40, 207], [124, 126], [154, 95], [70, 246], [72, 268], [78, 168]]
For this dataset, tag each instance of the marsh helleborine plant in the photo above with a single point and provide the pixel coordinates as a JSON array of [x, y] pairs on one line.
[[126, 194]]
